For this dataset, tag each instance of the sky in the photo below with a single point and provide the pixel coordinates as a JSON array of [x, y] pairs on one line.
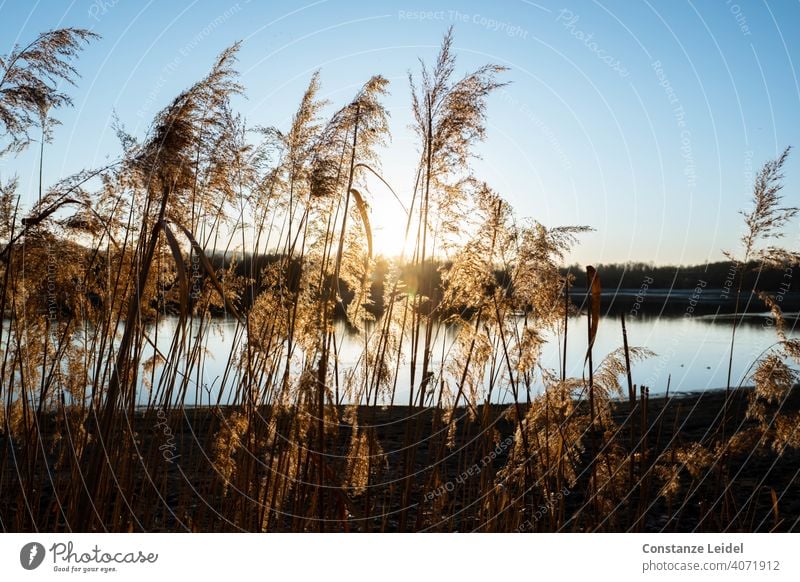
[[646, 121]]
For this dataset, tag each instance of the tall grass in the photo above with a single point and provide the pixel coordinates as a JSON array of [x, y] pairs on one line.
[[97, 429]]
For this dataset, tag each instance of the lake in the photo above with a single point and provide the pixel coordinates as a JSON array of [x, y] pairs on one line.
[[691, 353]]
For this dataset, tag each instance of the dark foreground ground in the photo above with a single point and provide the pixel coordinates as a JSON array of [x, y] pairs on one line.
[[177, 487]]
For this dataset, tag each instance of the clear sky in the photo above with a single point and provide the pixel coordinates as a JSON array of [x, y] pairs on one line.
[[645, 120]]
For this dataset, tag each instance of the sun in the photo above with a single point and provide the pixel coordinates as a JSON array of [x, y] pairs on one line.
[[388, 215], [389, 228]]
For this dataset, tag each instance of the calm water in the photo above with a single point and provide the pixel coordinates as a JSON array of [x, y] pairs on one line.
[[691, 353]]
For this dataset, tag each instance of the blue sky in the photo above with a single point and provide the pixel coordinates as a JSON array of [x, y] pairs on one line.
[[645, 120]]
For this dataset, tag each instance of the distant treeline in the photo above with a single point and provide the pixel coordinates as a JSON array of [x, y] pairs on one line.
[[626, 286], [631, 288], [641, 288], [718, 275]]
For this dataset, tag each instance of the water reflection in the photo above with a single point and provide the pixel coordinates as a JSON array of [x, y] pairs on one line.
[[691, 353]]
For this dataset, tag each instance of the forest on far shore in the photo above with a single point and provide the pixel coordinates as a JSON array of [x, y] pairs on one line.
[[717, 275]]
